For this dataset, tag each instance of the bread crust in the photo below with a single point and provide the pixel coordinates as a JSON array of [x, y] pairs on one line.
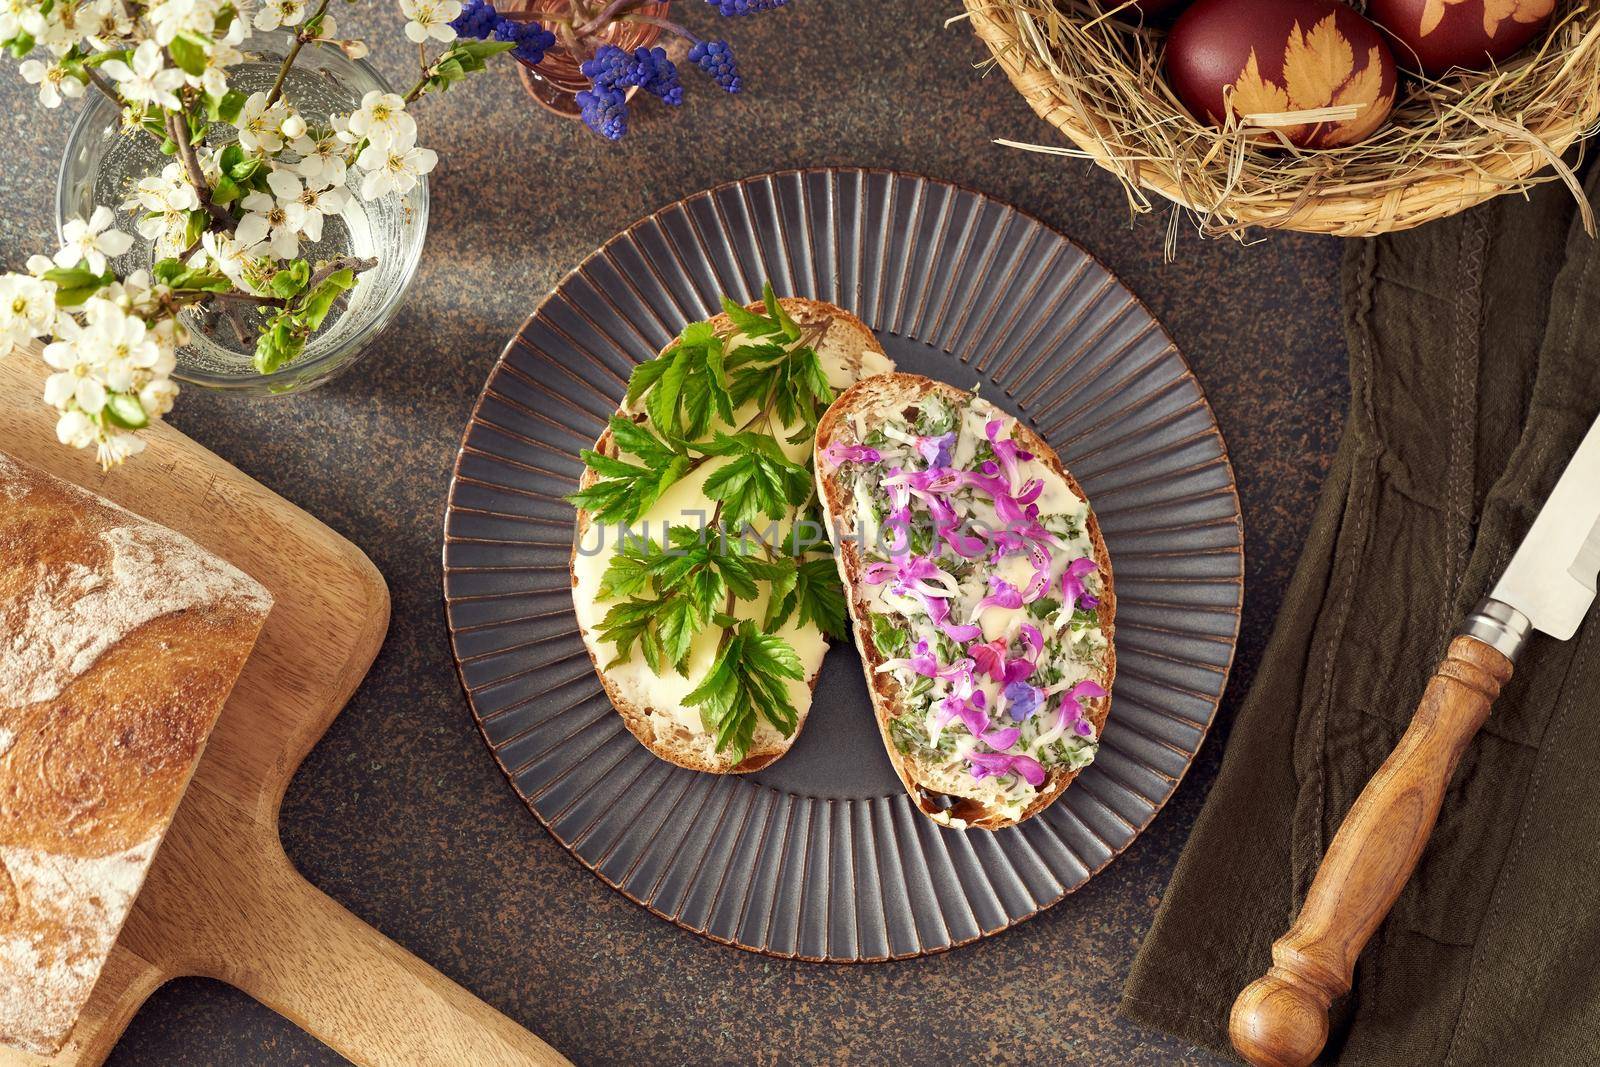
[[119, 644], [892, 392], [634, 715]]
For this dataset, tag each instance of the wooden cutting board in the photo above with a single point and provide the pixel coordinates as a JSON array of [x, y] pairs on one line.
[[222, 899]]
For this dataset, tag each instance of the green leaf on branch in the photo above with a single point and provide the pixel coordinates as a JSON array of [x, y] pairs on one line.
[[194, 226], [481, 50], [291, 280], [20, 45], [96, 59], [226, 108], [245, 168], [74, 285], [173, 274], [278, 344], [320, 300], [188, 51], [226, 191]]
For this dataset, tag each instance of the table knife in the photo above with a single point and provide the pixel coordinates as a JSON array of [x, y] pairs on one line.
[[1281, 1019]]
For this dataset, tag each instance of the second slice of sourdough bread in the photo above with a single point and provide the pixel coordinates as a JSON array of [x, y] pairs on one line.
[[652, 705], [853, 416]]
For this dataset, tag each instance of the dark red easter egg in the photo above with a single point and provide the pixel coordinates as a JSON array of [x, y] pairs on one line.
[[1434, 35], [1149, 9], [1270, 59]]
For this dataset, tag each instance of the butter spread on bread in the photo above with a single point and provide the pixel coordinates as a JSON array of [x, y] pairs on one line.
[[981, 593], [119, 642], [663, 698]]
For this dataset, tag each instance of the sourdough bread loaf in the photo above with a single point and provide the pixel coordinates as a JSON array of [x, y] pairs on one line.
[[119, 642]]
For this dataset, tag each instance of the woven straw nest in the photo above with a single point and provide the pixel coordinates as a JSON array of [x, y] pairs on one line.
[[1449, 144]]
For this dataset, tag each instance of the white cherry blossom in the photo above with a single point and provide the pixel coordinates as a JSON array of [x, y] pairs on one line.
[[93, 240], [268, 219], [213, 79], [76, 382], [381, 119], [322, 159], [314, 203], [261, 126], [430, 18], [148, 80], [12, 13], [164, 201], [105, 23], [55, 82], [56, 30], [394, 168], [240, 262], [111, 444], [275, 13], [27, 310]]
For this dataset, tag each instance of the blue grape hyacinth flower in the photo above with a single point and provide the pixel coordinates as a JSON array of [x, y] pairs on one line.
[[746, 7], [716, 59], [652, 71], [605, 111], [531, 38], [477, 19]]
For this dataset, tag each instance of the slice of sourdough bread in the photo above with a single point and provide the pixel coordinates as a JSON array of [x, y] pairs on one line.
[[652, 705], [932, 765]]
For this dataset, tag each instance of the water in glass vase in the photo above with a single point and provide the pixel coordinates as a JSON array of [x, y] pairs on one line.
[[103, 163]]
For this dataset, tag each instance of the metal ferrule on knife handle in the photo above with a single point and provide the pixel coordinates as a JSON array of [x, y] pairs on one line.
[[1498, 625]]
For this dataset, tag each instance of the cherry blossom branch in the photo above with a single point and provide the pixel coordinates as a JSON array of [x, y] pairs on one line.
[[300, 39], [98, 80], [178, 130], [355, 264]]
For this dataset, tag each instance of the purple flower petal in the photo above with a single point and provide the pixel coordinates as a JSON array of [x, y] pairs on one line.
[[838, 454], [985, 764], [1000, 740], [1070, 711], [935, 450], [1022, 700], [1029, 768], [1072, 584]]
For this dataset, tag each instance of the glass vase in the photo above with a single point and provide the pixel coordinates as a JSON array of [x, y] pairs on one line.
[[103, 161]]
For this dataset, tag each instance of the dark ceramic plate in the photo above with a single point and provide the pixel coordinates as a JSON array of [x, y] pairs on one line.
[[822, 856]]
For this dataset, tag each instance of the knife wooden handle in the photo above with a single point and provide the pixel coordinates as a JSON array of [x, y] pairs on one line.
[[1281, 1020]]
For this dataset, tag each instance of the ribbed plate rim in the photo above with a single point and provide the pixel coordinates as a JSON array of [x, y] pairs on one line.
[[1234, 611]]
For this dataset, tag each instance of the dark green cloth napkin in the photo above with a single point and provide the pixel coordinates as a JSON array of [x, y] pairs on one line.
[[1475, 370]]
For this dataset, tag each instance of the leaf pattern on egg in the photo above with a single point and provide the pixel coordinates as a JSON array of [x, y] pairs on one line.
[[1494, 13], [1318, 71]]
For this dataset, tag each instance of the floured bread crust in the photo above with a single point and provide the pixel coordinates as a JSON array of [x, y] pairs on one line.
[[119, 643]]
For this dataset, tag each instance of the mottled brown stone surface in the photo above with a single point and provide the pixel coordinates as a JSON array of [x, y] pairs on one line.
[[401, 813]]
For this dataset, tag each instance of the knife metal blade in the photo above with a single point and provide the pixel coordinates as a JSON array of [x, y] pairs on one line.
[[1553, 575]]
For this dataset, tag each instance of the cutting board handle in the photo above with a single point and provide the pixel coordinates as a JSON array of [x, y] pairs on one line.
[[303, 955], [1281, 1020]]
